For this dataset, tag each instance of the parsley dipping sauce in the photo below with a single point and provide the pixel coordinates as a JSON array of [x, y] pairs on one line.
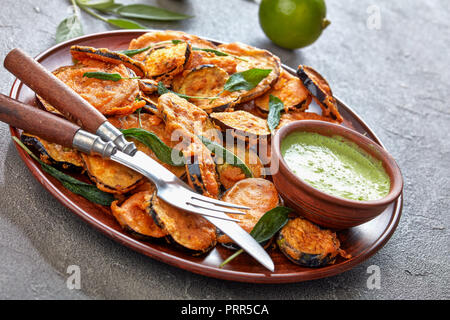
[[335, 166]]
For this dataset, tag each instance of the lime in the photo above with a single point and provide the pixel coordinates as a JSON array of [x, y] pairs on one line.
[[293, 24]]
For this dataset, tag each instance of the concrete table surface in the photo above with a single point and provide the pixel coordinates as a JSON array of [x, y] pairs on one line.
[[396, 77]]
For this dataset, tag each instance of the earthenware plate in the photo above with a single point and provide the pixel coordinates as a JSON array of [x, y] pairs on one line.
[[361, 242]]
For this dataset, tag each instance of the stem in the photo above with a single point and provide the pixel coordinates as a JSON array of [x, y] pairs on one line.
[[231, 257], [92, 13]]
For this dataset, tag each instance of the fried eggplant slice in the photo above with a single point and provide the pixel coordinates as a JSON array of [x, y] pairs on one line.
[[186, 122], [163, 62], [308, 245], [229, 175], [206, 81], [200, 58], [133, 217], [320, 90], [258, 194], [290, 90], [255, 58], [189, 230], [109, 97], [291, 116], [242, 123], [82, 53], [54, 154]]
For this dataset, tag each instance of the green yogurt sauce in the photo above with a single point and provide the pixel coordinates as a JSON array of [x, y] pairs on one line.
[[335, 166]]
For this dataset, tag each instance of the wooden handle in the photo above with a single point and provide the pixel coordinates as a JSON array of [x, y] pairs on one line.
[[38, 122], [53, 90]]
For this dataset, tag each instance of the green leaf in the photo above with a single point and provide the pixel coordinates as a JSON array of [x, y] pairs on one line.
[[143, 11], [98, 4], [162, 151], [106, 76], [86, 190], [266, 227], [218, 53], [69, 28], [275, 108], [227, 156], [133, 52], [246, 80], [125, 24], [269, 224]]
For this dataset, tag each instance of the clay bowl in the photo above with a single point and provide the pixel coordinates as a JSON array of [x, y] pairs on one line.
[[322, 208]]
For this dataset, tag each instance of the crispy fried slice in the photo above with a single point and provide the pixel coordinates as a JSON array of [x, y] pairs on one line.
[[186, 121], [242, 122], [164, 62], [132, 215], [82, 53], [206, 81], [189, 230], [291, 116], [107, 96], [258, 194], [256, 58], [288, 89], [309, 245]]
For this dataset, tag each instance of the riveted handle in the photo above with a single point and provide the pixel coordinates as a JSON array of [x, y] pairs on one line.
[[53, 90], [38, 122]]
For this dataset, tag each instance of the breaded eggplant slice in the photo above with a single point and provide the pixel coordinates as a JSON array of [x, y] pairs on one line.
[[206, 81], [153, 124], [308, 245], [229, 175], [185, 122], [242, 123], [164, 62], [111, 176], [258, 194], [155, 37], [291, 116], [189, 230], [255, 58], [200, 58], [133, 217], [290, 90], [320, 90], [54, 154], [109, 97], [82, 53]]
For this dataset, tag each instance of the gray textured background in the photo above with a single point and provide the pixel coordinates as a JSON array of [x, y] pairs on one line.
[[397, 78]]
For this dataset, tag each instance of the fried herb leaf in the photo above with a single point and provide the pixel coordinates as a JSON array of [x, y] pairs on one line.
[[86, 190], [162, 151], [147, 12], [246, 80], [275, 108], [266, 227], [106, 76], [218, 53], [227, 156]]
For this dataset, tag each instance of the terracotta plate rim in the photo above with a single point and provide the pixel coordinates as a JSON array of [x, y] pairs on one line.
[[179, 262]]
